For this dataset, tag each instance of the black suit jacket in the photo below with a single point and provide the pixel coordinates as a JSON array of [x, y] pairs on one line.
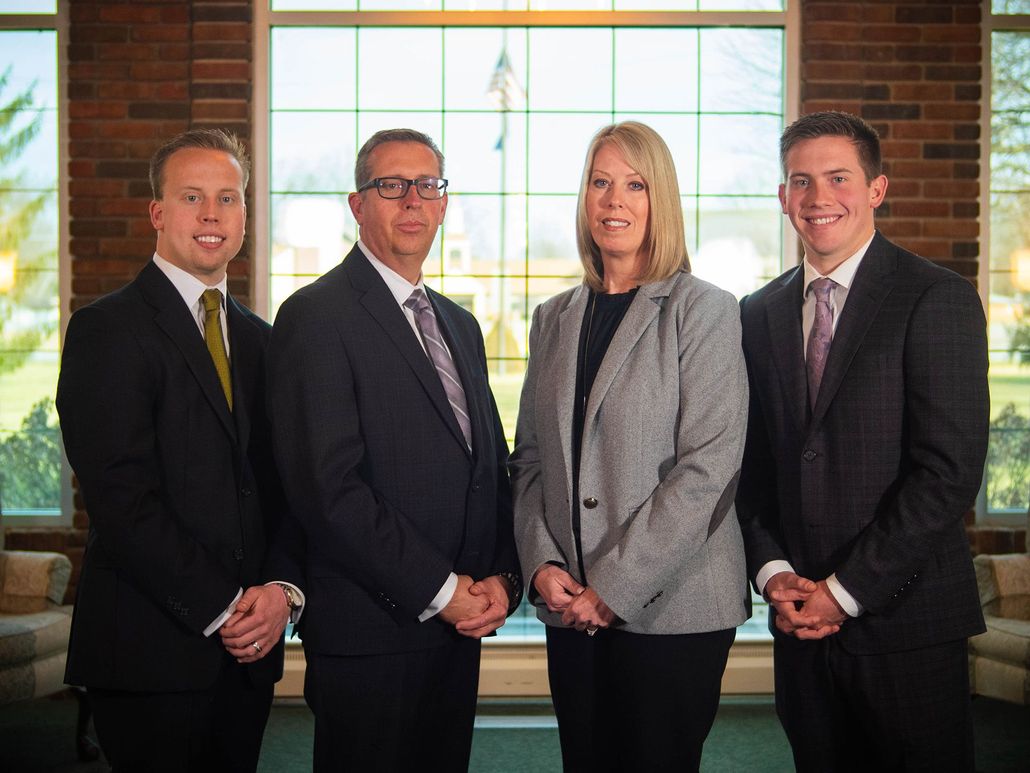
[[375, 465], [182, 494], [873, 482]]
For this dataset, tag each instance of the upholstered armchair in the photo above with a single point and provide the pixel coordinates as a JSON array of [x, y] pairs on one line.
[[999, 659], [34, 631]]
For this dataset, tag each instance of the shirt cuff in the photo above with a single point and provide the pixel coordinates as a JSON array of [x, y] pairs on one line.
[[294, 613], [767, 571], [847, 602], [219, 621], [442, 599]]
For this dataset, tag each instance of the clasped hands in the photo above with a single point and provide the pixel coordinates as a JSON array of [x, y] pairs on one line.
[[478, 608], [257, 623], [805, 609], [580, 605]]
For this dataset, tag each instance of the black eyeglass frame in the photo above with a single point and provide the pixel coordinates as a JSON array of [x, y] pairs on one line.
[[378, 181]]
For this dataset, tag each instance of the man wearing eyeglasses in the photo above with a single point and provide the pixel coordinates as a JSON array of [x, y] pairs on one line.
[[391, 449]]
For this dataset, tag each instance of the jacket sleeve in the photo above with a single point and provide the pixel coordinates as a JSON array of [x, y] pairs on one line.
[[946, 417]]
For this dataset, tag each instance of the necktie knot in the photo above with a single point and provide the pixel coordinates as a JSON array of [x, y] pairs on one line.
[[212, 300], [822, 287], [417, 301]]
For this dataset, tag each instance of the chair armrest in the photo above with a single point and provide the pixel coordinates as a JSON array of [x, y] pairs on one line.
[[30, 581]]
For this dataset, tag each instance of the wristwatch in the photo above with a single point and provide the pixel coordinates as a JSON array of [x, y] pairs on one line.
[[516, 589], [292, 601]]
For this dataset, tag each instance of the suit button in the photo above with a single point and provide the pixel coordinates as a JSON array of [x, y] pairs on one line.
[[475, 487], [590, 503], [246, 492], [238, 554], [809, 455]]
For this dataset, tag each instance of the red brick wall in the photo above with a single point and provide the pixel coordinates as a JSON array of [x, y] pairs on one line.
[[139, 73], [913, 70]]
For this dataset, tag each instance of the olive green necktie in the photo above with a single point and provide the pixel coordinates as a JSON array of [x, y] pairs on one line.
[[215, 344]]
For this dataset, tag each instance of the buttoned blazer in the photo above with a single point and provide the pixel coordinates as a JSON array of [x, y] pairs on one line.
[[874, 483], [182, 494], [375, 464], [662, 442]]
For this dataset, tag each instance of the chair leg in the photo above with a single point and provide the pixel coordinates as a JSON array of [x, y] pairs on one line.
[[85, 746]]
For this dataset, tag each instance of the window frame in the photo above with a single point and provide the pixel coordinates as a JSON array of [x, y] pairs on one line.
[[59, 23], [992, 23]]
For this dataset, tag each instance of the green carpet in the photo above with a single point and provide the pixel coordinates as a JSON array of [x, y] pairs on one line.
[[510, 737]]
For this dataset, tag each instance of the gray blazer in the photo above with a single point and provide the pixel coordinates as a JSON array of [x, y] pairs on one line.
[[662, 445]]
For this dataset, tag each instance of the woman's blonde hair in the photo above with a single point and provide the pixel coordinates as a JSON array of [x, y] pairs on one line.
[[664, 241]]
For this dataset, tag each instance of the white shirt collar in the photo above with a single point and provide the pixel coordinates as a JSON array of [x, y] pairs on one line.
[[844, 274], [189, 287], [400, 287]]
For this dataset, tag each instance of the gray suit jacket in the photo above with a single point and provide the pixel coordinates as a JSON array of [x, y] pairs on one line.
[[662, 445]]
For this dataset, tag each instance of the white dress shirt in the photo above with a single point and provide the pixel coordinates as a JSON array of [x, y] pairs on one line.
[[844, 277], [401, 289]]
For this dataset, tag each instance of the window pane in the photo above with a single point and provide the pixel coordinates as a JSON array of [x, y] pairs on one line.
[[1008, 460], [30, 456], [742, 70], [299, 52], [28, 6], [406, 66], [485, 69], [641, 54], [1010, 6], [570, 69], [314, 151]]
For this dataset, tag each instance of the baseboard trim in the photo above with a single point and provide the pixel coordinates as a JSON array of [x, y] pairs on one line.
[[519, 669]]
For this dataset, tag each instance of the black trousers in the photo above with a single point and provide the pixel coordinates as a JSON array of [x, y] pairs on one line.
[[899, 711], [394, 713], [631, 702], [218, 729]]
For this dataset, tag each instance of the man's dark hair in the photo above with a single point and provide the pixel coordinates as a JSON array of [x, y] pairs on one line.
[[206, 139], [834, 123], [362, 166]]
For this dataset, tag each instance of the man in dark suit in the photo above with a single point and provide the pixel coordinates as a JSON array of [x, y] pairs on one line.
[[392, 452], [866, 442], [161, 397]]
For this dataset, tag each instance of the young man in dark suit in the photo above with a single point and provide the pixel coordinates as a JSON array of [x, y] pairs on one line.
[[175, 635], [392, 453], [866, 443]]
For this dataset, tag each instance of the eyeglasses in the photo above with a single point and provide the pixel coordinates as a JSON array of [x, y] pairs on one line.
[[431, 188]]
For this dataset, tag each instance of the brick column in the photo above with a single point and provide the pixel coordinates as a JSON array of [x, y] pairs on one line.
[[913, 70]]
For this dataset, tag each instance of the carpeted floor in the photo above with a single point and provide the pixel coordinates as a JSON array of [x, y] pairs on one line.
[[510, 737]]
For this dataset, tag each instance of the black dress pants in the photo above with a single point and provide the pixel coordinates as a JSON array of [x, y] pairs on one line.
[[630, 702], [218, 729], [897, 711], [394, 713]]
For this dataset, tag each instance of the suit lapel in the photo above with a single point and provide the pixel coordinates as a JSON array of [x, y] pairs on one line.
[[174, 319], [643, 310], [245, 358], [570, 323], [873, 282], [783, 316], [378, 301]]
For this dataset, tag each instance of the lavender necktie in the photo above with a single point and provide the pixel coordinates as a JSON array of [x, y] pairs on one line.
[[425, 318], [821, 336]]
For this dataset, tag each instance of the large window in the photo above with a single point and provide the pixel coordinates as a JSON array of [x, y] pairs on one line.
[[513, 106], [1008, 278], [31, 481]]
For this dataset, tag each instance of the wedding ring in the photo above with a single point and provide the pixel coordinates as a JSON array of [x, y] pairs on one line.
[[256, 646], [591, 630]]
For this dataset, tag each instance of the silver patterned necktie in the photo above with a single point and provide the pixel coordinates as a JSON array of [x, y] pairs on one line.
[[425, 318], [821, 336]]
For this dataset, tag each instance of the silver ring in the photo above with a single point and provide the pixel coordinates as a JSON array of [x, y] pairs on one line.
[[256, 646], [591, 630]]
